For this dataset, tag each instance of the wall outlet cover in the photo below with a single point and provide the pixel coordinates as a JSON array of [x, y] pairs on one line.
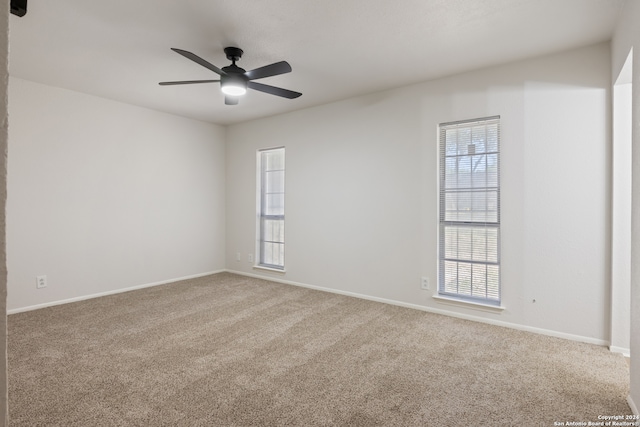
[[41, 282]]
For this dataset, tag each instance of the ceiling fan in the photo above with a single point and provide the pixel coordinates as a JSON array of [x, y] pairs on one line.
[[234, 80]]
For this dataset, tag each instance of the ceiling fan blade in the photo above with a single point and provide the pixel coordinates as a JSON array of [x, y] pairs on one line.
[[195, 58], [187, 82], [281, 67], [231, 100], [274, 90]]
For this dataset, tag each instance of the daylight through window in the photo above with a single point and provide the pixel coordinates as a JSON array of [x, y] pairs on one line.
[[271, 208], [469, 240]]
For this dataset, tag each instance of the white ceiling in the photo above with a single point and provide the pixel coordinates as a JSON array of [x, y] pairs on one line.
[[119, 49]]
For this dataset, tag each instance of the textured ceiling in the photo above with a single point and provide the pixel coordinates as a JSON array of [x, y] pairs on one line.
[[119, 49]]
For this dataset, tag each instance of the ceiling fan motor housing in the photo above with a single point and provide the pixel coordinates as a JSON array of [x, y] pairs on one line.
[[233, 82]]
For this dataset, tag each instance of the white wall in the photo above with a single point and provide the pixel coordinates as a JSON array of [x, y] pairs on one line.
[[361, 182], [626, 38], [104, 196], [621, 217]]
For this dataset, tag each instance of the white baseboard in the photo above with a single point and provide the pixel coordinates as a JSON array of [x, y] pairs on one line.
[[102, 294], [632, 405], [624, 351], [516, 326]]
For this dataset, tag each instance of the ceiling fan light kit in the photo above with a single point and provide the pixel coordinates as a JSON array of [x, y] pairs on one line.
[[233, 86], [234, 81]]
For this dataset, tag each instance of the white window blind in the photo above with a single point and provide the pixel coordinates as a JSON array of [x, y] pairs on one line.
[[469, 240], [271, 208]]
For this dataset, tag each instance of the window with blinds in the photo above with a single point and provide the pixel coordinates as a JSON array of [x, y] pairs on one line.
[[271, 208], [469, 238]]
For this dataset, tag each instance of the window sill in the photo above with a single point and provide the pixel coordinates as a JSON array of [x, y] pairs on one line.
[[274, 270], [469, 304]]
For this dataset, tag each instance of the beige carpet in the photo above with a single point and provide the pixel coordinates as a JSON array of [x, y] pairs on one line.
[[227, 350]]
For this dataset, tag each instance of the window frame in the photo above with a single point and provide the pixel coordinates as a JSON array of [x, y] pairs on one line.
[[491, 226], [263, 215]]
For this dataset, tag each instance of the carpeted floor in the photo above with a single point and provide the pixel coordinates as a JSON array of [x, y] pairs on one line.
[[227, 350]]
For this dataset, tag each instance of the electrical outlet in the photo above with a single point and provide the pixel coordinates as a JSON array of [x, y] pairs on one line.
[[41, 282], [250, 258], [238, 256], [424, 283]]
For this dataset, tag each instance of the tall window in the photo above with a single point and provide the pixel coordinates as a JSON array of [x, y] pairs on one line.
[[271, 208], [469, 241]]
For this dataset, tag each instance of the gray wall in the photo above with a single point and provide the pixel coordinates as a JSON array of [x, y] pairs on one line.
[[4, 75], [361, 191], [105, 196]]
